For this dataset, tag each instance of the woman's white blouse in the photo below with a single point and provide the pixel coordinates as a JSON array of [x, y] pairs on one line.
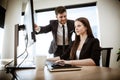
[[78, 54]]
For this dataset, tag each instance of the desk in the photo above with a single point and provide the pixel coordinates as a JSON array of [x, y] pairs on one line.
[[86, 73]]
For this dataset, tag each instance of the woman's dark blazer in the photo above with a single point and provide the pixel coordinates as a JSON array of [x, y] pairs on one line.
[[53, 26], [91, 49]]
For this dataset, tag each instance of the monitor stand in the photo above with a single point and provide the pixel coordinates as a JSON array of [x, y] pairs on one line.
[[12, 69]]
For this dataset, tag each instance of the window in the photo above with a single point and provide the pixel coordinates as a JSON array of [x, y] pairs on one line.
[[43, 18], [90, 13]]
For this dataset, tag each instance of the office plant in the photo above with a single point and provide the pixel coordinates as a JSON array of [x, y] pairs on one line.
[[118, 53]]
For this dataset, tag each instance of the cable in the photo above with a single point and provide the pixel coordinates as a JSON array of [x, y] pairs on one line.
[[25, 50], [15, 74], [20, 54], [23, 59], [17, 77], [13, 60]]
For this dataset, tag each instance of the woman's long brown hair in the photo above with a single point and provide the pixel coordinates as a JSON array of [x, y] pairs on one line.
[[86, 23]]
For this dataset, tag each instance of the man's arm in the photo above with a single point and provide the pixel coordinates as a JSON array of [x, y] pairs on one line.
[[42, 29]]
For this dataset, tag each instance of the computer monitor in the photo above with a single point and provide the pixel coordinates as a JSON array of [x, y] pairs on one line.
[[29, 22], [28, 26]]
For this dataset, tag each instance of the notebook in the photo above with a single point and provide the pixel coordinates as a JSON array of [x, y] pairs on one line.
[[53, 67]]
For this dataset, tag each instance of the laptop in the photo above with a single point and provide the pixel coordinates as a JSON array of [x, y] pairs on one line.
[[53, 67]]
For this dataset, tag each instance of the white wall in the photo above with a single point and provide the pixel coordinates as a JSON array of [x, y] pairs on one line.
[[12, 17], [109, 22]]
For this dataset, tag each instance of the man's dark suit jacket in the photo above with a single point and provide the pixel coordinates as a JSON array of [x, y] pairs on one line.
[[53, 26], [91, 49]]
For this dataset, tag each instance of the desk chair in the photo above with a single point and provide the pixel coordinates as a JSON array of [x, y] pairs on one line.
[[105, 56]]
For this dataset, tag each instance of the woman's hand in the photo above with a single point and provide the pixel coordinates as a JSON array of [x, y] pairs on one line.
[[60, 62], [54, 59]]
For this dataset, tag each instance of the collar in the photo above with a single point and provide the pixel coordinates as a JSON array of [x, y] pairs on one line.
[[62, 24]]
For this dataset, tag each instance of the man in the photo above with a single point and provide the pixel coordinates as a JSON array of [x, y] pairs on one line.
[[58, 27]]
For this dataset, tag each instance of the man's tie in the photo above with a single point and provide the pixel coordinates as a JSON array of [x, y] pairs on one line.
[[63, 38]]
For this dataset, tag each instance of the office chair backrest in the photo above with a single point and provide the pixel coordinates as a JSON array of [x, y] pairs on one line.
[[105, 56]]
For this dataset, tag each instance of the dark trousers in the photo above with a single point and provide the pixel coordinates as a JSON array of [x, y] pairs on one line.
[[59, 51]]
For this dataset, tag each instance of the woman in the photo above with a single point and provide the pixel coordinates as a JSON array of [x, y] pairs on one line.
[[85, 50]]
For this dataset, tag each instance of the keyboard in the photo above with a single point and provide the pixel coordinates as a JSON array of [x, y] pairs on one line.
[[56, 67]]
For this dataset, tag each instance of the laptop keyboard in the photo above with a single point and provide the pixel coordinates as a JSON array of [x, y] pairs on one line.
[[58, 66]]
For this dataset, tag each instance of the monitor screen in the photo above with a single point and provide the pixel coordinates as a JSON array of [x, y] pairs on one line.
[[29, 23]]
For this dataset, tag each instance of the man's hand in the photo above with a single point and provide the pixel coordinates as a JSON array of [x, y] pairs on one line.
[[36, 27]]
